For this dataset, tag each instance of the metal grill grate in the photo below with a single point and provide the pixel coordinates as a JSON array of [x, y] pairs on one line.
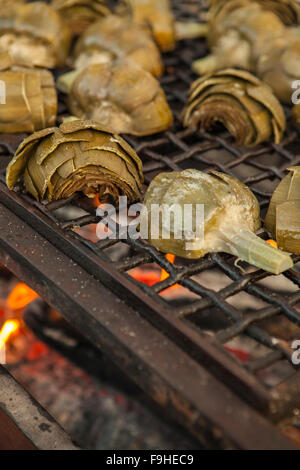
[[205, 324]]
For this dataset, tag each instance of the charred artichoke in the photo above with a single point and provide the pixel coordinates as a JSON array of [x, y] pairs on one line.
[[231, 216], [283, 217], [114, 38], [77, 156], [79, 14], [30, 98], [35, 35], [238, 100], [122, 97], [158, 14], [244, 34]]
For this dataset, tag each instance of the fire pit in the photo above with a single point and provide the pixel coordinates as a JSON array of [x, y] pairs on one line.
[[209, 342]]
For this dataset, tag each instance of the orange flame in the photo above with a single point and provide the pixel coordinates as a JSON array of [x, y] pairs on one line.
[[97, 202], [273, 243], [151, 277], [164, 274], [20, 297], [9, 327]]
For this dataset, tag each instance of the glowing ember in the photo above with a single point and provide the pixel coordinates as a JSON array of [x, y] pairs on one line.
[[145, 276], [152, 277], [97, 202], [164, 274], [243, 356], [9, 327], [273, 243], [20, 297]]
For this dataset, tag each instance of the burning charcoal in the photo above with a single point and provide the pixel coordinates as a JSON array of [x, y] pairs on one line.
[[122, 97], [231, 218], [79, 14], [241, 102], [114, 38], [77, 156], [248, 36], [35, 35], [31, 99], [283, 217]]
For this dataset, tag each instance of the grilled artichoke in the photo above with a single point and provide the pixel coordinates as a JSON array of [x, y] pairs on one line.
[[122, 97], [283, 216], [241, 102], [9, 7], [77, 156], [231, 216], [158, 14], [35, 35], [79, 14], [114, 38], [287, 10], [244, 34], [31, 100]]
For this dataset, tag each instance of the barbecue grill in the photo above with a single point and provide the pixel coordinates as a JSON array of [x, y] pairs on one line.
[[176, 350]]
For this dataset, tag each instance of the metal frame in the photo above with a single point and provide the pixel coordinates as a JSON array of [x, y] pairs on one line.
[[189, 393], [177, 326]]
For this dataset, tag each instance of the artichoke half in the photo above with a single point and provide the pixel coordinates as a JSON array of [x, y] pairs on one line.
[[122, 97], [231, 218], [79, 14], [77, 156], [35, 35], [30, 98], [158, 14], [283, 216], [114, 37], [241, 102]]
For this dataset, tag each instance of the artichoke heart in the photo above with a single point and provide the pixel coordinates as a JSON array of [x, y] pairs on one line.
[[241, 102], [283, 216], [35, 35], [115, 37], [251, 35], [158, 14], [79, 14], [122, 97], [77, 156], [30, 98], [231, 218]]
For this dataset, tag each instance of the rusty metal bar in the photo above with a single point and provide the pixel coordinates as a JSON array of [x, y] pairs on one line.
[[24, 424]]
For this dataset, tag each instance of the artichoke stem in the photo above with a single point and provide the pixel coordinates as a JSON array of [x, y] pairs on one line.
[[205, 65], [65, 81], [190, 30], [249, 247]]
